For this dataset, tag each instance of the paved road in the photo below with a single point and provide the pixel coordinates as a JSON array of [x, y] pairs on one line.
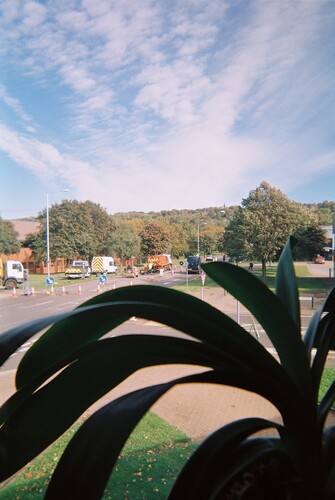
[[15, 311]]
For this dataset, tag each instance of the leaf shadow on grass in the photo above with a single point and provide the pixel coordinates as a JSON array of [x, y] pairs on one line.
[[147, 467]]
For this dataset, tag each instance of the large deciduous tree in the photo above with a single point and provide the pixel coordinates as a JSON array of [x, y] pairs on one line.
[[9, 242], [311, 242], [179, 239], [155, 238], [263, 224], [76, 230], [124, 242]]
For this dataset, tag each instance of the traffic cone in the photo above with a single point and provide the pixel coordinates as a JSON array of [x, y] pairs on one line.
[[63, 291], [52, 291], [98, 288], [14, 293], [33, 291], [131, 283], [79, 289]]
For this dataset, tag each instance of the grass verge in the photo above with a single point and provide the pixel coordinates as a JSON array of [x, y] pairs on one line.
[[146, 468], [307, 284]]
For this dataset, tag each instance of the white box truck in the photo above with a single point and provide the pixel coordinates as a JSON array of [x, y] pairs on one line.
[[12, 274], [103, 264]]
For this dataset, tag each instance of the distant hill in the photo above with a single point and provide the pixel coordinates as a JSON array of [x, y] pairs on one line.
[[24, 227]]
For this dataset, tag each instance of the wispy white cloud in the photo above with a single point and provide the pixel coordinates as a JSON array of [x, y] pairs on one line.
[[153, 92], [14, 104]]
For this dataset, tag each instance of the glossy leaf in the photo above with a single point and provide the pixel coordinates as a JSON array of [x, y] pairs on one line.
[[85, 467], [264, 458], [272, 314], [286, 282], [40, 418], [174, 309], [206, 462]]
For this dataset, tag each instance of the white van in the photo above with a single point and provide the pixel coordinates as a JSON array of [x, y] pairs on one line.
[[103, 264]]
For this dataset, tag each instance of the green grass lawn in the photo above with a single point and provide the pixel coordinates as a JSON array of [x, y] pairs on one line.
[[146, 469], [307, 284]]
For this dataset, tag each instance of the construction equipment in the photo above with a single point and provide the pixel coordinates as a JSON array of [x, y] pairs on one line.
[[155, 263]]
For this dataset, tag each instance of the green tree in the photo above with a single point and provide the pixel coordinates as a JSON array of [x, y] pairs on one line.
[[76, 229], [232, 241], [264, 223], [124, 242], [9, 242], [311, 242], [155, 239], [179, 239]]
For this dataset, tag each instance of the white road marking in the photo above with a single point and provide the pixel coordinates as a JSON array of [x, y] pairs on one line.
[[37, 305]]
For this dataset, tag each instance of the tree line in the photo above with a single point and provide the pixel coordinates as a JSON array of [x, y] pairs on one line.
[[255, 230]]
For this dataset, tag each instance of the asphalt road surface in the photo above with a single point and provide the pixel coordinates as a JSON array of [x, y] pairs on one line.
[[23, 308]]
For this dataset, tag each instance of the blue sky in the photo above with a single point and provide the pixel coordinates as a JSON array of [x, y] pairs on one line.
[[154, 105]]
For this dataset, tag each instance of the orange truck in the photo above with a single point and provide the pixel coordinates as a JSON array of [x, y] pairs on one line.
[[157, 262]]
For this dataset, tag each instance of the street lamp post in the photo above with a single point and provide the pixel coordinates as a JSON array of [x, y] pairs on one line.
[[47, 228]]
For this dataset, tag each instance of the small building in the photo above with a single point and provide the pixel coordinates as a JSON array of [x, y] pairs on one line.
[[330, 242], [23, 228]]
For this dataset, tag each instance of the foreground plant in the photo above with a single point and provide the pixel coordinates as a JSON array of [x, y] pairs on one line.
[[71, 366]]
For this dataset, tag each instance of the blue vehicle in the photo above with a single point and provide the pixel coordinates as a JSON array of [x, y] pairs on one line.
[[193, 264]]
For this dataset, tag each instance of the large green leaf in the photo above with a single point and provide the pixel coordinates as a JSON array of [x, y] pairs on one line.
[[326, 333], [177, 310], [261, 459], [313, 331], [87, 463], [205, 465], [326, 405], [286, 282], [92, 453], [51, 409], [12, 339], [328, 463], [272, 314]]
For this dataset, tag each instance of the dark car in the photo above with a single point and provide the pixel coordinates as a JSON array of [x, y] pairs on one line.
[[193, 264]]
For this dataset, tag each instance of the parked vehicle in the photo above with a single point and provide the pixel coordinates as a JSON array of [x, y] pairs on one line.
[[12, 273], [319, 259], [103, 264], [209, 258], [193, 264], [158, 262], [78, 269]]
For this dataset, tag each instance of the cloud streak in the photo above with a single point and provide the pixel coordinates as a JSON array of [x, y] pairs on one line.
[[152, 95]]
